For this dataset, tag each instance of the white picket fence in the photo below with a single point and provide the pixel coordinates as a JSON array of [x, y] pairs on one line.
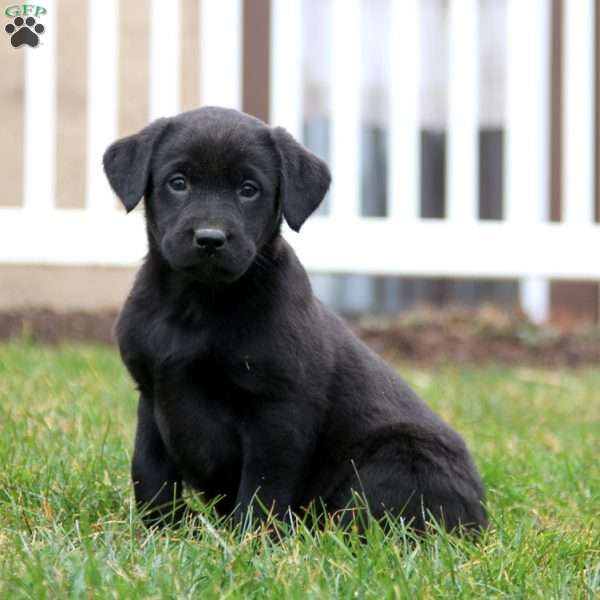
[[523, 245]]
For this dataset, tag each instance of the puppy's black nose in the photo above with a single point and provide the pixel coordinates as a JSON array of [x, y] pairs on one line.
[[210, 240]]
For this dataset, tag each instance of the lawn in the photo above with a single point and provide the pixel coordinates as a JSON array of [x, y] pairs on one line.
[[68, 529]]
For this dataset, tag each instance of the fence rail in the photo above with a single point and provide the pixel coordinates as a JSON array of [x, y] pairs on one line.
[[523, 245]]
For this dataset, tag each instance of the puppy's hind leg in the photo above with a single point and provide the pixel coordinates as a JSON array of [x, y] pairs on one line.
[[418, 480]]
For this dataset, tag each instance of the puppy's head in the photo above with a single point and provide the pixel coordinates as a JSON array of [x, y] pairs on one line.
[[216, 183]]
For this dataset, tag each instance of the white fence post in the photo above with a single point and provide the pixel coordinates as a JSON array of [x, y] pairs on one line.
[[345, 116], [404, 143], [221, 53], [102, 98], [527, 121], [165, 58], [39, 154], [578, 112], [286, 66], [463, 127]]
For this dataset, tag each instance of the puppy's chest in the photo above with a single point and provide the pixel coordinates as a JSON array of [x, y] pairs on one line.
[[215, 374], [241, 362], [236, 383], [199, 427], [201, 405]]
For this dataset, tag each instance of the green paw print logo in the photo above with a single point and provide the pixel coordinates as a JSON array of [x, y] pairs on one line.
[[24, 29]]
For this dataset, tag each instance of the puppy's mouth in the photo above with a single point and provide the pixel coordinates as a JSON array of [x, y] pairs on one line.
[[209, 268], [207, 265], [210, 274]]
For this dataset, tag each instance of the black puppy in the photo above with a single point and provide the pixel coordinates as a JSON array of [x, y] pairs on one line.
[[251, 389]]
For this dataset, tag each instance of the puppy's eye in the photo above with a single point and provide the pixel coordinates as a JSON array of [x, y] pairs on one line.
[[178, 183], [249, 190]]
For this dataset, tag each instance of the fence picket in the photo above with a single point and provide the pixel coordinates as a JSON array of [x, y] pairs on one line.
[[578, 90], [39, 155], [286, 66], [527, 136], [221, 53], [463, 127], [404, 126], [102, 98], [345, 114], [165, 58]]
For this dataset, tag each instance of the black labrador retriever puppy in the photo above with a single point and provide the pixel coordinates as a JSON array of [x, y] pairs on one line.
[[250, 389]]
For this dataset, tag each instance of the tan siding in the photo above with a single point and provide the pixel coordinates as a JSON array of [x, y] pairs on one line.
[[63, 288]]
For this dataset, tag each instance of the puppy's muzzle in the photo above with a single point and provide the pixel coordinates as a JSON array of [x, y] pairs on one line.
[[209, 240]]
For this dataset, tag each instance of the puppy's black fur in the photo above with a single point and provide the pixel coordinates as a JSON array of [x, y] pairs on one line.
[[250, 388]]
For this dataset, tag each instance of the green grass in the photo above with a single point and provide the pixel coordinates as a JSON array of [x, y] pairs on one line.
[[68, 529]]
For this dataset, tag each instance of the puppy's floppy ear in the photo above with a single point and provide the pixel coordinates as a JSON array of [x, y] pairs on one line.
[[304, 179], [127, 163]]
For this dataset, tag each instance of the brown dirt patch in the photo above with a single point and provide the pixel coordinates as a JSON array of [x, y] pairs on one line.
[[424, 337], [49, 326], [482, 336]]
